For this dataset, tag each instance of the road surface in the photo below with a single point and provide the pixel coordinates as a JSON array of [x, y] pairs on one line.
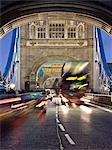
[[61, 127]]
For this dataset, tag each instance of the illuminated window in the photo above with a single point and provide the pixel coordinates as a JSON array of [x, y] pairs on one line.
[[56, 31], [72, 32]]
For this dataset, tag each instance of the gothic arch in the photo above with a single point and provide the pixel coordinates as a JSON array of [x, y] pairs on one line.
[[80, 31], [52, 58], [46, 59], [36, 65]]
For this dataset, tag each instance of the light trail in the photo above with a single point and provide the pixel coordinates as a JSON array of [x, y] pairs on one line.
[[4, 101]]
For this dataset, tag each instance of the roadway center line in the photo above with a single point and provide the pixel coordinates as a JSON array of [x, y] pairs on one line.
[[59, 137], [56, 115], [69, 139], [56, 112], [61, 127], [57, 120]]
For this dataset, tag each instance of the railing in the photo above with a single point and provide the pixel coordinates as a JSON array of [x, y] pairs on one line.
[[94, 94], [99, 99], [104, 72]]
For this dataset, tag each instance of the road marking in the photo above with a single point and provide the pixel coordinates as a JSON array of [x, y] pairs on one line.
[[57, 120], [60, 140], [105, 109], [56, 109], [61, 127], [56, 112], [69, 139], [56, 115]]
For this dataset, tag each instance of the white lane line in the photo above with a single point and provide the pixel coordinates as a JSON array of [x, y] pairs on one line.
[[57, 120], [105, 109], [61, 127], [56, 115], [56, 107], [56, 110], [59, 137], [69, 139]]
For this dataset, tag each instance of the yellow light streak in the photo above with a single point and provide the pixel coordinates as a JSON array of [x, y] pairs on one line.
[[76, 78], [41, 104], [82, 78], [71, 78]]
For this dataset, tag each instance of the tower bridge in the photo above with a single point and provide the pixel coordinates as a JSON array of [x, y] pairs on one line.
[[65, 38], [51, 42], [55, 33], [60, 39]]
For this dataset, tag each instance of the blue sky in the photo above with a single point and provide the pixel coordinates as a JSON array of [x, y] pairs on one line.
[[107, 43], [5, 44]]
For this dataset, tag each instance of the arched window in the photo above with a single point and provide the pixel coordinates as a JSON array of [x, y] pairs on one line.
[[32, 30], [80, 29]]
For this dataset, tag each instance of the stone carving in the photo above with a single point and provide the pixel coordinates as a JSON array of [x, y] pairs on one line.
[[76, 30], [33, 31], [80, 31]]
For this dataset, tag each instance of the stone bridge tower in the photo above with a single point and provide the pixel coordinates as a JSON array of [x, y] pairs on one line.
[[59, 36]]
